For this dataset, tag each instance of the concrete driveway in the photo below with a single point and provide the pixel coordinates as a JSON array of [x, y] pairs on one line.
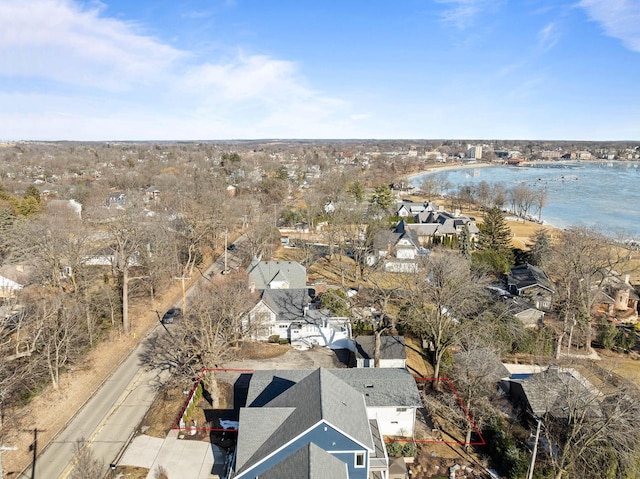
[[318, 357], [179, 457]]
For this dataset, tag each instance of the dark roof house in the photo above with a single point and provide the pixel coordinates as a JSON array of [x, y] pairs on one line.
[[392, 352], [530, 281]]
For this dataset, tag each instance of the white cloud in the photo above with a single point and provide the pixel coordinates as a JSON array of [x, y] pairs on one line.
[[462, 13], [619, 19], [60, 41], [94, 77], [548, 36]]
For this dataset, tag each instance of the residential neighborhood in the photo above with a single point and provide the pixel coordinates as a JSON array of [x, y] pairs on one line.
[[401, 332]]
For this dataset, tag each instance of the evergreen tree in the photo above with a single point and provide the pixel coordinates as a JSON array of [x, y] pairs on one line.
[[356, 190], [494, 243], [465, 244], [495, 234], [540, 247], [382, 197]]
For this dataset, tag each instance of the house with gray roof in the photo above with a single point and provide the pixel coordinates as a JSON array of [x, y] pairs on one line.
[[276, 275], [398, 251], [533, 284], [392, 352], [288, 314], [555, 392], [439, 226], [318, 423]]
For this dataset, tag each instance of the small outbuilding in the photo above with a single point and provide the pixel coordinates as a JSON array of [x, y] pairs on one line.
[[392, 352]]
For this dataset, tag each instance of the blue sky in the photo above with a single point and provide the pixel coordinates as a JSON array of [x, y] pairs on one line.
[[240, 69]]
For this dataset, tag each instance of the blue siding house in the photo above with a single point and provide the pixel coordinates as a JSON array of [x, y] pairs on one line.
[[303, 424]]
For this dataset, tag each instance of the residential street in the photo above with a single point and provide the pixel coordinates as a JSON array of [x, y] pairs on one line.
[[107, 422]]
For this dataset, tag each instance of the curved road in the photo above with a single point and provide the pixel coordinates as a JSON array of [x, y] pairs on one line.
[[107, 422]]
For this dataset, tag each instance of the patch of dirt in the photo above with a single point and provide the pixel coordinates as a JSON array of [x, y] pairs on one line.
[[258, 350], [132, 472], [434, 460], [163, 413], [417, 364]]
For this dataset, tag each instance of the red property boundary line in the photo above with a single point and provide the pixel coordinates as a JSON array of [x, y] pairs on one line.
[[447, 381], [176, 423]]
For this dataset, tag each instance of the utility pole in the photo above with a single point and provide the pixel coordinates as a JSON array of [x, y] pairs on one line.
[[226, 232], [34, 448], [184, 294], [535, 451]]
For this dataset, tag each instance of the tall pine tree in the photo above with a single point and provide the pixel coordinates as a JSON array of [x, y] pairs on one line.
[[494, 243]]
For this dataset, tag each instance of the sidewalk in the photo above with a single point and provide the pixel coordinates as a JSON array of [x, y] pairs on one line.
[[179, 457]]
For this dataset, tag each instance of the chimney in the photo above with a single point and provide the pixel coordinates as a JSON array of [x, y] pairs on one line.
[[626, 278]]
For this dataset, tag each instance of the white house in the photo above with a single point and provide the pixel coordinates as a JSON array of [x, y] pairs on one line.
[[287, 313]]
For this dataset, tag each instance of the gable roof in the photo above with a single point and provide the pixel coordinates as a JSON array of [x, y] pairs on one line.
[[385, 239], [262, 273], [557, 392], [320, 396], [381, 387], [526, 275], [287, 304], [310, 461], [391, 347]]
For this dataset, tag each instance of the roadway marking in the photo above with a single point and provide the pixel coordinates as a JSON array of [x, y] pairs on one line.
[[123, 397]]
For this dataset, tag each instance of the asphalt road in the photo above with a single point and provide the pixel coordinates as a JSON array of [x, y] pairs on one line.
[[107, 422]]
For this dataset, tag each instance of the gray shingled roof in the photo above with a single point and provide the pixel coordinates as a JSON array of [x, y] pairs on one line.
[[261, 273], [382, 387], [391, 347], [320, 396], [526, 275], [288, 304], [310, 461], [558, 393], [250, 439]]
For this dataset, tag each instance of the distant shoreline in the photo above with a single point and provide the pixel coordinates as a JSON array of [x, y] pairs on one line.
[[466, 166], [509, 217]]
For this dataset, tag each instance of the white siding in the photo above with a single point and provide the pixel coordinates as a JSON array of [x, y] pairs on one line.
[[393, 421]]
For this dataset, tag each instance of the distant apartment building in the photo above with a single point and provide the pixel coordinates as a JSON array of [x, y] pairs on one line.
[[474, 152]]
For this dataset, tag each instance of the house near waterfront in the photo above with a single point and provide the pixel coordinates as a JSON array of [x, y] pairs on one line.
[[436, 226], [325, 423], [618, 300], [409, 209], [531, 283]]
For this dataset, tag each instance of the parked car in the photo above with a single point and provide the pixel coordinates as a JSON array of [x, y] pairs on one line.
[[171, 315]]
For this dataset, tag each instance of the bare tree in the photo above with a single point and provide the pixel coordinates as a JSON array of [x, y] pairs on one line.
[[587, 432], [207, 335], [87, 466], [582, 259], [439, 299], [128, 244]]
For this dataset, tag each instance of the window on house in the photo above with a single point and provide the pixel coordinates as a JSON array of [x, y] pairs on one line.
[[359, 459], [401, 409]]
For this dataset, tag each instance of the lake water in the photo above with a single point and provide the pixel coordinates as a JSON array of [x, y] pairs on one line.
[[604, 196]]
